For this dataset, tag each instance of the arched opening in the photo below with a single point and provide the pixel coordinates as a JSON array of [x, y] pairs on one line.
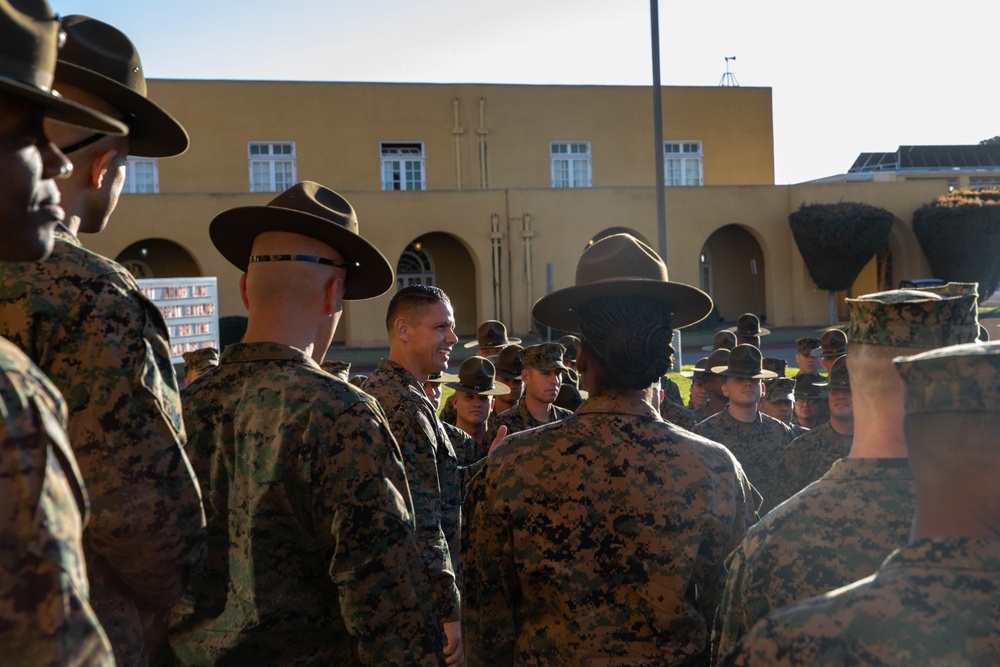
[[158, 258], [440, 259], [732, 266], [415, 267]]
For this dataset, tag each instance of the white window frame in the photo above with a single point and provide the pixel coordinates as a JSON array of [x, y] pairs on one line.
[[688, 157], [274, 155], [131, 167], [570, 164], [399, 162]]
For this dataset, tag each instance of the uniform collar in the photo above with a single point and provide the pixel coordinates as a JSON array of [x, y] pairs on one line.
[[618, 405]]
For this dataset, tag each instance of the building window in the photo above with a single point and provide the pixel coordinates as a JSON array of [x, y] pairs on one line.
[[272, 166], [415, 267], [682, 162], [141, 176], [403, 166], [570, 164]]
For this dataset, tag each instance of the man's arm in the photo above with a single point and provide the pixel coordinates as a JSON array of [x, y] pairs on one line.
[[111, 359], [361, 494]]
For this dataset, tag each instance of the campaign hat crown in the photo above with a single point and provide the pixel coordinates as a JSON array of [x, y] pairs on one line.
[[312, 210], [621, 265], [722, 340], [839, 377], [744, 362], [101, 60], [510, 362], [477, 375], [492, 333], [748, 325], [833, 344], [31, 39], [698, 372], [809, 385]]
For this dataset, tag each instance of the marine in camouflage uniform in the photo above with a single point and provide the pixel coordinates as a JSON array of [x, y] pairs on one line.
[[45, 615], [432, 471], [756, 444], [519, 418], [602, 536], [933, 601], [312, 556], [84, 321], [541, 358], [809, 456], [840, 528], [677, 415]]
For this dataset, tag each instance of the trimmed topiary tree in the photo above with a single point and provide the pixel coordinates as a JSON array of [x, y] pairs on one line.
[[837, 241], [960, 235]]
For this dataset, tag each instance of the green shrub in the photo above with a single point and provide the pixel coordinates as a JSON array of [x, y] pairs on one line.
[[960, 235], [838, 240]]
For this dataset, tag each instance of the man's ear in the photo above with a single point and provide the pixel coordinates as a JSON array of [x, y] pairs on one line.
[[333, 301], [402, 328], [99, 168], [243, 292], [725, 389]]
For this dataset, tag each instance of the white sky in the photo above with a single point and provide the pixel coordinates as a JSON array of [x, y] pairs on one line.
[[847, 77]]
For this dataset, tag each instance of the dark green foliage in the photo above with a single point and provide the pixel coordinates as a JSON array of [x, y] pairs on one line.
[[837, 240], [231, 330], [991, 140], [960, 234]]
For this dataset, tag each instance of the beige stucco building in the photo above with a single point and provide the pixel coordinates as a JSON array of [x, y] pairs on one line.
[[492, 191]]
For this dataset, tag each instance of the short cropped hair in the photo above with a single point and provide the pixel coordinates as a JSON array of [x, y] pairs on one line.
[[411, 298]]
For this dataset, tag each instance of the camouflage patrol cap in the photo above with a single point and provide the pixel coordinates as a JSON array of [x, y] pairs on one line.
[[572, 345], [960, 378], [722, 340], [477, 375], [544, 356], [807, 345], [339, 369], [912, 318], [808, 386], [780, 389], [510, 362], [201, 359], [839, 377], [833, 344]]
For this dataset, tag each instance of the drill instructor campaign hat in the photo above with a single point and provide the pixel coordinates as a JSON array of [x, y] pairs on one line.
[[492, 333], [309, 209], [31, 39], [477, 375], [621, 265], [100, 59], [745, 361]]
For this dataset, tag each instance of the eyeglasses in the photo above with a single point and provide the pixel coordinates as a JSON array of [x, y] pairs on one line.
[[301, 258], [129, 119]]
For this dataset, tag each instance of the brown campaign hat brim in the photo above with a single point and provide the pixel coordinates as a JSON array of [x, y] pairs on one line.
[[154, 132], [560, 310], [58, 108], [509, 341], [497, 390], [751, 374], [233, 232]]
